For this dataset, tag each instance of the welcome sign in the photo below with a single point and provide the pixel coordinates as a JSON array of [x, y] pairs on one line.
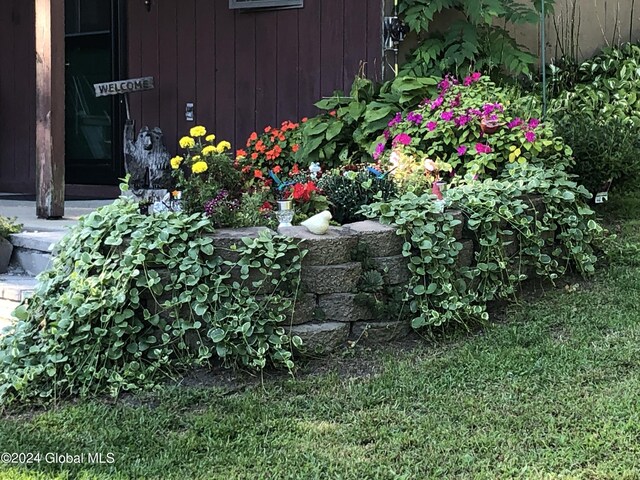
[[124, 86]]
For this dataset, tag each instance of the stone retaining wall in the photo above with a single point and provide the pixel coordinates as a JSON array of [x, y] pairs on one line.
[[329, 310]]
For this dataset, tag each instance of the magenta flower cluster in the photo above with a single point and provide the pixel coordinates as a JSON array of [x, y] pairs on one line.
[[438, 123]]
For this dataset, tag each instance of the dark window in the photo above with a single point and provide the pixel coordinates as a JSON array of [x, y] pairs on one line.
[[246, 4]]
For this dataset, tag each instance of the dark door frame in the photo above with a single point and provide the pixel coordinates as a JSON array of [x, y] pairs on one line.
[[77, 185]]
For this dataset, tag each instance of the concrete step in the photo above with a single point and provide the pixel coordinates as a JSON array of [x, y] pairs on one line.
[[6, 319], [16, 288], [32, 250]]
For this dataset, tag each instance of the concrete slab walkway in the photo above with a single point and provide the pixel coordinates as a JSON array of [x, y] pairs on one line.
[[25, 211]]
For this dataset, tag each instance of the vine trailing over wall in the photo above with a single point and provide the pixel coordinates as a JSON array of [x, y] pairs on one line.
[[498, 213], [131, 299], [477, 36]]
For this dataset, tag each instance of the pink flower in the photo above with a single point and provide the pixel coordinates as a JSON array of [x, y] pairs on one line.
[[387, 134], [431, 126], [395, 120], [456, 101], [379, 151], [402, 139], [475, 76], [436, 103], [446, 115], [530, 136], [533, 123], [462, 120], [482, 148], [462, 149], [516, 122], [467, 81]]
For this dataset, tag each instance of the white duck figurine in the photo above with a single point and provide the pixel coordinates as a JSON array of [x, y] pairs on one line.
[[319, 223]]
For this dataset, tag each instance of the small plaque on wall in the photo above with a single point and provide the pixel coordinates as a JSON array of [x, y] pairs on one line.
[[250, 4]]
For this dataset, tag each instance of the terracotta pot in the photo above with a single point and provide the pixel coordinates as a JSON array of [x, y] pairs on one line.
[[6, 249], [488, 127]]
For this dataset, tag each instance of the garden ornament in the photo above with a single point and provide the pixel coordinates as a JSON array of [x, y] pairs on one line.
[[314, 170], [146, 158], [319, 223]]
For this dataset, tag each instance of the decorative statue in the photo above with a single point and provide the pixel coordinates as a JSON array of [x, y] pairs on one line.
[[146, 158]]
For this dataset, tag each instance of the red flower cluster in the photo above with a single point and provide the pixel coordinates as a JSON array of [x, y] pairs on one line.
[[274, 149], [302, 191]]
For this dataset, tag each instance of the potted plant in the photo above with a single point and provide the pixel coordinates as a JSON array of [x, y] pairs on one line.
[[7, 227]]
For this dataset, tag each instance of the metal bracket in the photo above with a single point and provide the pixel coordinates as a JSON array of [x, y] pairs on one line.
[[395, 32]]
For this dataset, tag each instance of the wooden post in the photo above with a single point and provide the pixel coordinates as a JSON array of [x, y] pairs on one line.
[[49, 108]]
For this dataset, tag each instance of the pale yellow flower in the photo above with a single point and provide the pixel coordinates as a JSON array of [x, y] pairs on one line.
[[210, 138], [196, 158], [222, 146], [176, 161], [209, 150], [187, 142], [198, 131], [199, 167]]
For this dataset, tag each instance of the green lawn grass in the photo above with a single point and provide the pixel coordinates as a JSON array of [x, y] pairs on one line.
[[549, 391]]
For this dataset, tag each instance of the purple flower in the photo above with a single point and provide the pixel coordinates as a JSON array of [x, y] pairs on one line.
[[379, 151], [414, 117], [447, 115], [467, 81], [482, 148], [395, 120], [516, 122], [462, 120], [475, 76], [456, 101], [475, 112], [530, 136], [488, 108], [402, 139], [444, 84], [462, 149], [387, 134], [437, 102], [533, 123], [431, 126]]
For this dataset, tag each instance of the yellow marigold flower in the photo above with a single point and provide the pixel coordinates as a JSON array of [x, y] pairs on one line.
[[209, 150], [196, 158], [187, 142], [198, 131], [222, 146], [199, 167], [176, 161], [210, 138]]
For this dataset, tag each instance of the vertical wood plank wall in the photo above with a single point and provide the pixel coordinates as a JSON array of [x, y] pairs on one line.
[[245, 70], [17, 96]]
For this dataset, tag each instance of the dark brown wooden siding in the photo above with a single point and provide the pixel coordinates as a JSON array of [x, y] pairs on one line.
[[246, 70], [17, 96], [243, 70]]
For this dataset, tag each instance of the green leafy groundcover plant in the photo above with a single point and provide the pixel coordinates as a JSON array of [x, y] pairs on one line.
[[131, 299], [498, 211]]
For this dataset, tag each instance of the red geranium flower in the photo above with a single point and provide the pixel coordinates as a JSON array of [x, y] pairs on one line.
[[258, 174]]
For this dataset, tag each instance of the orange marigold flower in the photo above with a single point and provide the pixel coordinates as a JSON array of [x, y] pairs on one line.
[[241, 154], [260, 147], [258, 174], [281, 138], [277, 169], [267, 129], [295, 148], [332, 113], [246, 169], [295, 170], [254, 156], [253, 137], [304, 120]]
